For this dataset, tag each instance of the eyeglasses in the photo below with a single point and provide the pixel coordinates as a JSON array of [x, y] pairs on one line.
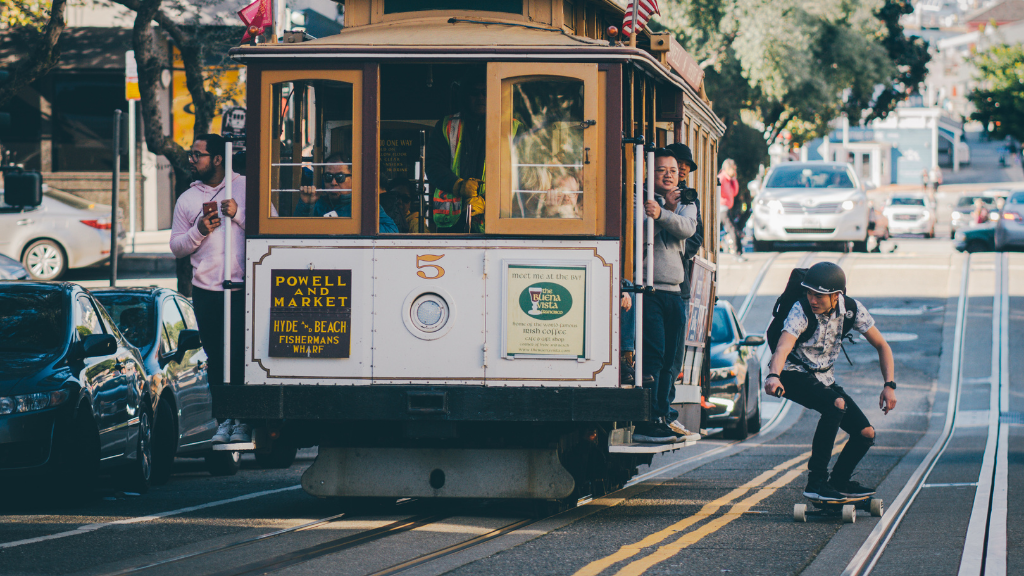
[[195, 156], [336, 177]]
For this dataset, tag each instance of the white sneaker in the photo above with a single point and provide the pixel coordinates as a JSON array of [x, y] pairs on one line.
[[223, 434], [241, 433], [677, 427]]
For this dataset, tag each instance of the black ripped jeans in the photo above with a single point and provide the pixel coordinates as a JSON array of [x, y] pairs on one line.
[[809, 392]]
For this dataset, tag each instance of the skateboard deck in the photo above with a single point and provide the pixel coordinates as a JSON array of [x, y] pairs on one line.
[[846, 508]]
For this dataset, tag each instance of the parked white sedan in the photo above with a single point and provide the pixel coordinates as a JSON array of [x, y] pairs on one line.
[[910, 213], [63, 232], [811, 202]]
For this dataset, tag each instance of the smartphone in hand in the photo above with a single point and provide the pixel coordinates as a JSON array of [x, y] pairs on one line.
[[209, 208]]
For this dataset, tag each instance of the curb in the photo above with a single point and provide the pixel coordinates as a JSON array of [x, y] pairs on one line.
[[161, 263]]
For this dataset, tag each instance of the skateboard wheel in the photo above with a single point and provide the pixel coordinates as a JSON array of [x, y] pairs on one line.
[[877, 508], [800, 512], [849, 513]]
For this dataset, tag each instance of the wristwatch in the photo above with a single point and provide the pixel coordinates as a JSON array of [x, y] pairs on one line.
[[773, 375], [889, 384]]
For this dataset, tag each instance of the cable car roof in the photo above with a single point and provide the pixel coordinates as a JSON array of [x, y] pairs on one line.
[[439, 39]]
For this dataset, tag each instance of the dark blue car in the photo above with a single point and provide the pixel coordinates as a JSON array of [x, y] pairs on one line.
[[735, 376], [74, 396]]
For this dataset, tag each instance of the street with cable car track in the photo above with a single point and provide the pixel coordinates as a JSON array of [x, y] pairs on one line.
[[945, 463]]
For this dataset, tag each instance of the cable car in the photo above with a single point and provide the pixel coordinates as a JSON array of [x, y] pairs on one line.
[[467, 346]]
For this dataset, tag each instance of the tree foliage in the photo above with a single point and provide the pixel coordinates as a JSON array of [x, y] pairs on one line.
[[36, 24], [999, 99], [791, 65]]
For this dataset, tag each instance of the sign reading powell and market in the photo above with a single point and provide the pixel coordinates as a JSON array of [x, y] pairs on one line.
[[545, 311], [311, 313]]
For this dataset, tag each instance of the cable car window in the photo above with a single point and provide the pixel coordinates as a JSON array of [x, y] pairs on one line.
[[311, 167], [547, 152]]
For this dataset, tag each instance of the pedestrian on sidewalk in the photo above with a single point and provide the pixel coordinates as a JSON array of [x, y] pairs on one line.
[[728, 188], [935, 176], [194, 234], [802, 370]]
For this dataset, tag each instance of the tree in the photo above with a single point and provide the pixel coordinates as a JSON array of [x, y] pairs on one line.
[[36, 26], [790, 65], [196, 41], [999, 100]]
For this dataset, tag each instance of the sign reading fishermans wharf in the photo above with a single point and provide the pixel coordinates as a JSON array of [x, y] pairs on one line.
[[311, 313], [545, 311]]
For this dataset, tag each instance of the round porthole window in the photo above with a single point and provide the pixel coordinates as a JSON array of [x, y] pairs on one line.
[[429, 312]]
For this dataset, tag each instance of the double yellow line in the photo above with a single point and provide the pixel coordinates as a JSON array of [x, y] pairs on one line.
[[790, 470]]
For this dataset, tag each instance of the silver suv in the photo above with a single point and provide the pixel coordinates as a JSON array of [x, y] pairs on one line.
[[811, 202]]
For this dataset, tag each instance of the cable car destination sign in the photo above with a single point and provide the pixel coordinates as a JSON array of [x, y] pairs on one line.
[[311, 313]]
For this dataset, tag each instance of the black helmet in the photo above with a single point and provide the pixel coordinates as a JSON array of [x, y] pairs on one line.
[[683, 155], [825, 278]]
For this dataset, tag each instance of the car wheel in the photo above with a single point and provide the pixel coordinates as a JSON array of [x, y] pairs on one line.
[[739, 431], [978, 246], [754, 425], [165, 435], [223, 462], [138, 475], [861, 246], [45, 260], [930, 234], [280, 455], [762, 246]]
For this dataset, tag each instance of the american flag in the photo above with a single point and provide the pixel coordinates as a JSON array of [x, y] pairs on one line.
[[645, 8]]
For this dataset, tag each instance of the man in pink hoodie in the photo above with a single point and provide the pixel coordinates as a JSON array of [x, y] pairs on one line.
[[202, 239]]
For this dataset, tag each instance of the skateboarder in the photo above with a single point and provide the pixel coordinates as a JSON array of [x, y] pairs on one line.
[[801, 369]]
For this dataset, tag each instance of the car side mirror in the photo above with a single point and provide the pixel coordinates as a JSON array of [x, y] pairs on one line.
[[189, 340], [98, 345], [753, 341]]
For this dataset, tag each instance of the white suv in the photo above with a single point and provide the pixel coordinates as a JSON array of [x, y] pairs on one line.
[[811, 202]]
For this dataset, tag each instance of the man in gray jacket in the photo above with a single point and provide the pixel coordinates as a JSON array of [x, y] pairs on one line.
[[663, 309]]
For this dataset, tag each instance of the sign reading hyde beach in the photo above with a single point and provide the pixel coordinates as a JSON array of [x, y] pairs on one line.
[[311, 313], [546, 311]]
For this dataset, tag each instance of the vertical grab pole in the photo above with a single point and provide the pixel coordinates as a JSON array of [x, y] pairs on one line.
[[227, 266], [638, 260], [649, 247]]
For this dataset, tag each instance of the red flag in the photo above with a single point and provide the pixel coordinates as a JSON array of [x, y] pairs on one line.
[[645, 8], [257, 17]]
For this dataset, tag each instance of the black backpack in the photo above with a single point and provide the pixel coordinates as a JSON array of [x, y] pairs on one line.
[[794, 293]]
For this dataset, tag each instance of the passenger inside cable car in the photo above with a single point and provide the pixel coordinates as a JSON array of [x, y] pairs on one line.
[[455, 159]]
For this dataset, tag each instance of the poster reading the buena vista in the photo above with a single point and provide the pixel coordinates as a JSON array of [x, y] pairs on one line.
[[546, 311]]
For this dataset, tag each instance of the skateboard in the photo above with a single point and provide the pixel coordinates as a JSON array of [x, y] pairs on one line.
[[847, 509]]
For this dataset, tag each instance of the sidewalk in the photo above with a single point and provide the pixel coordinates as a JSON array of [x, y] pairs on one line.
[[151, 253]]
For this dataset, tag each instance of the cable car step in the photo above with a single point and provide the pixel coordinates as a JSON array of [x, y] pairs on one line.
[[234, 447], [640, 448]]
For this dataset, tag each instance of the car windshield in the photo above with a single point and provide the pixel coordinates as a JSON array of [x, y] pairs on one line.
[[1017, 198], [721, 328], [898, 201], [33, 322], [966, 201], [810, 177], [133, 315]]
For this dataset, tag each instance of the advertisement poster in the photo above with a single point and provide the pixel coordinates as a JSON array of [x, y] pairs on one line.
[[311, 313], [546, 311], [700, 302]]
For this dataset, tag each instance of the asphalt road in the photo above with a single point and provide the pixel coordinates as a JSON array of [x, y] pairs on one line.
[[948, 462]]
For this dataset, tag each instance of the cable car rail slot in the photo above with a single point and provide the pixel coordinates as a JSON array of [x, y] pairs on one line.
[[306, 554], [874, 546]]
